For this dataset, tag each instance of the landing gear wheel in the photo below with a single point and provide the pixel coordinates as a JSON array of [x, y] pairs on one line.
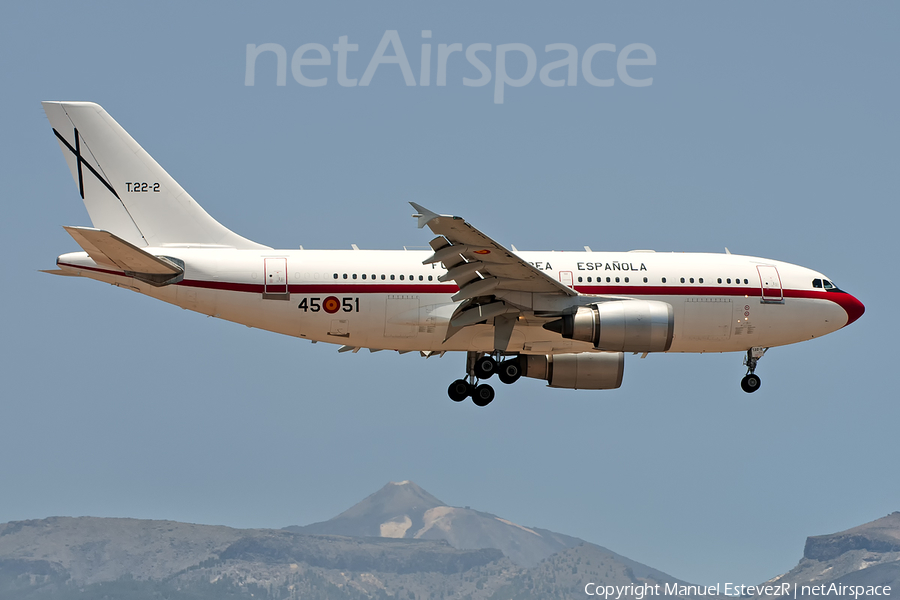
[[509, 371], [750, 383], [459, 390], [485, 367], [482, 395]]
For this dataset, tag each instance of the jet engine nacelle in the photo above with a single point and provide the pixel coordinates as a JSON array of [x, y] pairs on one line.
[[584, 371], [620, 325]]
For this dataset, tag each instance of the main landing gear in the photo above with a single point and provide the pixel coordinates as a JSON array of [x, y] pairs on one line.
[[751, 382], [483, 366]]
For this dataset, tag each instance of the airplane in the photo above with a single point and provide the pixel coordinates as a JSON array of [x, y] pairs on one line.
[[565, 317]]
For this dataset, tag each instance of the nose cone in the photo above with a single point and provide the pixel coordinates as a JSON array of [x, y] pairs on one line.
[[852, 306]]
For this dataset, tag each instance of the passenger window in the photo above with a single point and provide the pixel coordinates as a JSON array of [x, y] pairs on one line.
[[626, 280], [645, 280], [429, 278], [421, 278], [682, 280], [354, 276], [692, 280], [720, 280], [392, 277], [401, 278], [747, 282], [617, 280], [579, 280], [728, 280], [382, 276], [345, 276], [663, 279], [700, 280], [335, 275]]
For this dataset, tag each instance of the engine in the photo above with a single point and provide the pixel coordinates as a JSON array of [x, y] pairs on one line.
[[585, 371], [620, 325]]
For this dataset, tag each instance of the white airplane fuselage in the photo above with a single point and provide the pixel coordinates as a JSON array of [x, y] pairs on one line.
[[389, 300]]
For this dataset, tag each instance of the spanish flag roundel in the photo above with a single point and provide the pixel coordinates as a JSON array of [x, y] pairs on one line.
[[331, 305]]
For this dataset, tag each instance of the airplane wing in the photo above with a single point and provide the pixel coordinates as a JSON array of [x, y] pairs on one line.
[[483, 270], [477, 263]]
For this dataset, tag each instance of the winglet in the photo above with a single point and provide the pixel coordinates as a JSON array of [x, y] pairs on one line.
[[424, 215]]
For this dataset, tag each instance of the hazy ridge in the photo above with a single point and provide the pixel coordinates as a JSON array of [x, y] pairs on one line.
[[399, 542]]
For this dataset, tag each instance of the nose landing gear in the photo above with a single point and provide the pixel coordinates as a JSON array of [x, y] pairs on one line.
[[751, 382], [482, 366]]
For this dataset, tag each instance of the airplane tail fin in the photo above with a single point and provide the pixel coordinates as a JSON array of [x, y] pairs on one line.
[[125, 191]]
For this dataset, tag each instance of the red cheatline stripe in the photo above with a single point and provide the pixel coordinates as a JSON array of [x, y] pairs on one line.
[[670, 290]]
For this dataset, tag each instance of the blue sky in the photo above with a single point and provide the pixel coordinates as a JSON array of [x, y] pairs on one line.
[[769, 128]]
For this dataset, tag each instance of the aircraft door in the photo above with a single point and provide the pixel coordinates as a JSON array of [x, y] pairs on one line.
[[770, 282], [275, 277], [565, 278]]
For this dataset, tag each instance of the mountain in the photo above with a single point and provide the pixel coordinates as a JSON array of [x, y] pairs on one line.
[[404, 510], [129, 559], [421, 548], [90, 550], [400, 542], [865, 555]]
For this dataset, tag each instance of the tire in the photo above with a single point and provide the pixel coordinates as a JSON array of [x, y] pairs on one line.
[[485, 367], [458, 390], [750, 383], [483, 395], [509, 371]]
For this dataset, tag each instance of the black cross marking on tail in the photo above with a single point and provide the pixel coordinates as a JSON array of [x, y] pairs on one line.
[[80, 161]]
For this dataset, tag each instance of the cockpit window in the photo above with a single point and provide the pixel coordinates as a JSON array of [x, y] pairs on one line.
[[826, 285]]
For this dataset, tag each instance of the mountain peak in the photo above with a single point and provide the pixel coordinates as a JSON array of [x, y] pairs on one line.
[[402, 509], [394, 500], [393, 511]]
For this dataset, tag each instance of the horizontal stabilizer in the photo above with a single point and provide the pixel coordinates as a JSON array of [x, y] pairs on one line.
[[109, 250]]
